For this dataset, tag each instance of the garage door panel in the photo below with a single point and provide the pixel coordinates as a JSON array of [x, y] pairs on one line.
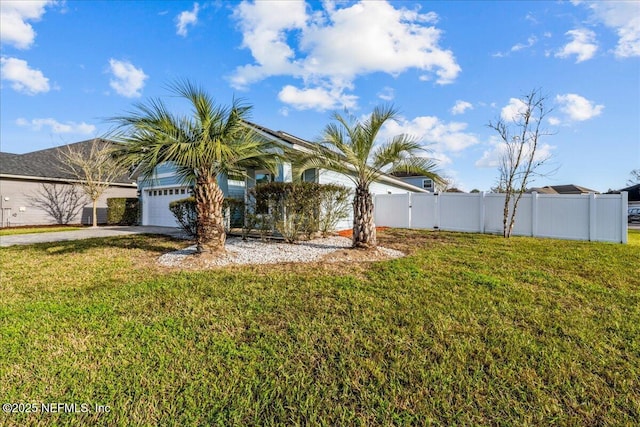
[[157, 206]]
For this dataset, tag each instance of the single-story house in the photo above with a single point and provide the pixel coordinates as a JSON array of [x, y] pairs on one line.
[[633, 194], [165, 186], [23, 178], [419, 181], [562, 189]]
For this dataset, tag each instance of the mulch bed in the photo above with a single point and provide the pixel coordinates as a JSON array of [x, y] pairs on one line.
[[349, 232]]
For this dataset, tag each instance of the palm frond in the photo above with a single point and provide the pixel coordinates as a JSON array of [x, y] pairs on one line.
[[214, 139]]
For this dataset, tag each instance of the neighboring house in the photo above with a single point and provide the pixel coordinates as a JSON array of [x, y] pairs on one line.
[[562, 189], [165, 186], [22, 177], [420, 181], [633, 194]]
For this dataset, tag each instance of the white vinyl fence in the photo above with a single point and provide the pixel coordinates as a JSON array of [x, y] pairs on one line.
[[595, 217]]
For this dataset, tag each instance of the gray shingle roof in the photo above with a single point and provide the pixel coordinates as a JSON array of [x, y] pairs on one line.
[[563, 189], [46, 163]]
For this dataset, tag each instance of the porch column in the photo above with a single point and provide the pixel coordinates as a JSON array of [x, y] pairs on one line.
[[284, 173]]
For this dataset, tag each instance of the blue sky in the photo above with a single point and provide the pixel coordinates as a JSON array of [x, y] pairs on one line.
[[449, 67]]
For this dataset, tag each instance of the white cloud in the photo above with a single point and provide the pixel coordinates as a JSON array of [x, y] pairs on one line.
[[442, 137], [23, 79], [578, 108], [57, 127], [554, 121], [461, 106], [331, 47], [185, 19], [128, 80], [387, 94], [264, 26], [513, 110], [532, 40], [624, 18], [319, 99], [14, 28], [519, 46], [583, 45], [497, 149]]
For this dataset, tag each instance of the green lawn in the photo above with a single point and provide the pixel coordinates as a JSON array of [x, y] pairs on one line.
[[467, 330], [32, 230]]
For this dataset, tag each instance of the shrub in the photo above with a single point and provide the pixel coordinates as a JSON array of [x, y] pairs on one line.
[[296, 209], [184, 211], [123, 210], [334, 207]]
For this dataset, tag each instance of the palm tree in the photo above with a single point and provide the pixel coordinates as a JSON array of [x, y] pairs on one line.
[[348, 146], [213, 140]]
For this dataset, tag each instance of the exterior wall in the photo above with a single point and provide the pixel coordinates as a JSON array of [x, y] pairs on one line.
[[416, 181], [330, 177], [19, 210], [166, 180]]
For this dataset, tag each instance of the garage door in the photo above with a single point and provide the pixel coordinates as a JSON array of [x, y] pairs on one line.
[[155, 210]]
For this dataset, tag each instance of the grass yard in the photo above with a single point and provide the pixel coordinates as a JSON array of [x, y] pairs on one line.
[[32, 230], [467, 330]]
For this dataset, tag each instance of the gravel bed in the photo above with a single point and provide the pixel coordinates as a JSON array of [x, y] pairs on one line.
[[240, 251]]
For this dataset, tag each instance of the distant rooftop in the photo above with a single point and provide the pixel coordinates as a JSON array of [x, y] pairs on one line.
[[562, 189]]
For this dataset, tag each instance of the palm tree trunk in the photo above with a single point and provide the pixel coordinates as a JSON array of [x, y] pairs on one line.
[[364, 229], [210, 234]]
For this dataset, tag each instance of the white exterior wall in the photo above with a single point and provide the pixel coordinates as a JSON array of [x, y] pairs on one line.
[[578, 217], [19, 210], [330, 177]]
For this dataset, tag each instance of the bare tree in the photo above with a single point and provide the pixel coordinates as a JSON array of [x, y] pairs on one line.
[[520, 160], [635, 177], [94, 168], [62, 202]]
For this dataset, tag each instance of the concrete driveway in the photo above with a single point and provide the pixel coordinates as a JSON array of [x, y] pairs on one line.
[[87, 233]]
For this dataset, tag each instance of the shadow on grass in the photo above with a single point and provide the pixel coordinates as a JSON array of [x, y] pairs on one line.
[[148, 242]]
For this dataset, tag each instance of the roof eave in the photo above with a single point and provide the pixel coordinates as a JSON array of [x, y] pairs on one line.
[[62, 180]]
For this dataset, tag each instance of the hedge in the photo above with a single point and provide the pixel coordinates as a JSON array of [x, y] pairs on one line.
[[296, 209], [123, 210]]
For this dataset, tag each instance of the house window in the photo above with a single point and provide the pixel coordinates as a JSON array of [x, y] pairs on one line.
[[182, 190], [165, 192], [427, 184], [262, 178], [171, 192]]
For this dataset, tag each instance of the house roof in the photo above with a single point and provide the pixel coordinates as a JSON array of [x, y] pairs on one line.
[[633, 192], [562, 189], [46, 164], [292, 140], [401, 174], [298, 143]]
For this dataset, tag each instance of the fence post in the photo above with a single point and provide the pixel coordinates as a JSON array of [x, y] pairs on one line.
[[592, 217], [437, 210], [624, 196], [482, 205], [409, 201], [534, 214]]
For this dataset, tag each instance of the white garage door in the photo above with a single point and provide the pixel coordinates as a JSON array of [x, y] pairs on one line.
[[155, 208]]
